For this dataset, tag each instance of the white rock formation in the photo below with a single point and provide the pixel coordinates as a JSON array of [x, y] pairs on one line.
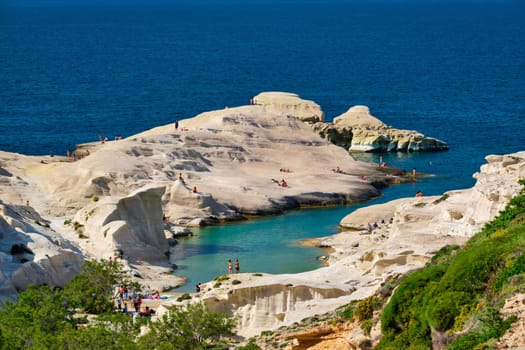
[[130, 225], [358, 131], [117, 193], [291, 104], [32, 253]]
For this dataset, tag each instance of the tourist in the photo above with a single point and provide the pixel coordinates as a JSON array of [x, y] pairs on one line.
[[135, 300], [147, 312], [419, 194], [283, 183], [198, 287], [230, 266], [119, 302], [237, 266], [181, 179], [176, 124], [194, 190], [414, 172]]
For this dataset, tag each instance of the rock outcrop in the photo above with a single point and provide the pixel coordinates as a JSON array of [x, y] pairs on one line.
[[131, 226], [32, 253], [291, 104], [358, 131], [110, 198]]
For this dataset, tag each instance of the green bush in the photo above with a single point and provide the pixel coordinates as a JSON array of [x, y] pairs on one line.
[[516, 267], [364, 309], [366, 326], [347, 313], [190, 326], [185, 296], [441, 199], [442, 309], [221, 278]]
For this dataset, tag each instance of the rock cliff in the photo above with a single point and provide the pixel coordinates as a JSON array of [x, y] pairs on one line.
[[358, 131]]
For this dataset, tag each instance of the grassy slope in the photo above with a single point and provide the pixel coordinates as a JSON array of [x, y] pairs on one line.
[[456, 299]]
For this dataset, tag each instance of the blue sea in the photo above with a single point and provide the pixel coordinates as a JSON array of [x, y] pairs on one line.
[[454, 70]]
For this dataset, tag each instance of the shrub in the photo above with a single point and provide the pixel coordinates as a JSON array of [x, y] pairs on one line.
[[190, 326], [185, 296], [221, 278], [347, 312], [516, 267], [366, 326], [441, 199], [364, 309], [234, 282]]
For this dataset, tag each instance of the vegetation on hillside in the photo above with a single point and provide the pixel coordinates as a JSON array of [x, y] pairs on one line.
[[82, 316], [456, 299]]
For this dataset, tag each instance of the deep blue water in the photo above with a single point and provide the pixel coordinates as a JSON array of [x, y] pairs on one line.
[[453, 70]]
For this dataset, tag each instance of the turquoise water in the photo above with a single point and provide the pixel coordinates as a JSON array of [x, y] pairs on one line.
[[271, 244]]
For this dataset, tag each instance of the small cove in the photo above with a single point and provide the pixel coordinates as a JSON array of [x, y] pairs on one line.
[[271, 244]]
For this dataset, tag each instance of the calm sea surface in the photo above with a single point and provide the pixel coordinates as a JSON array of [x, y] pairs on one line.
[[454, 70]]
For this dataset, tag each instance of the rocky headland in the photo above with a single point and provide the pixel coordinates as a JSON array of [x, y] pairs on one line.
[[356, 130], [127, 197], [359, 131]]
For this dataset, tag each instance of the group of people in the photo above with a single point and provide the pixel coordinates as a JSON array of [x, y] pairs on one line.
[[124, 296], [181, 179], [237, 266], [337, 170], [371, 227]]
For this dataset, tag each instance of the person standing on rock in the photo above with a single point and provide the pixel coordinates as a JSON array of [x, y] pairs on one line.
[[176, 125], [230, 266], [237, 266]]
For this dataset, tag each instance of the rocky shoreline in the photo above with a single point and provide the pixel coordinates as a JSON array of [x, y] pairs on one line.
[[360, 263], [130, 197], [127, 197]]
